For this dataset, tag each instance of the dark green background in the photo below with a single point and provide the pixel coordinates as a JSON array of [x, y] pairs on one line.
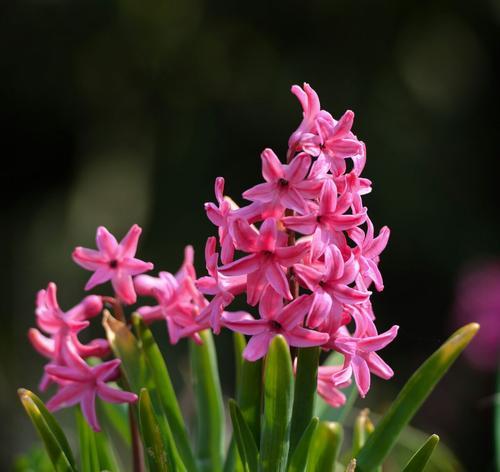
[[125, 111]]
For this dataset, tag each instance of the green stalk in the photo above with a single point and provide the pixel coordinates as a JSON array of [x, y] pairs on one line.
[[305, 393]]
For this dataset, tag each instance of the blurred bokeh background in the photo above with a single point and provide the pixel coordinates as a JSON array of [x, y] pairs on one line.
[[123, 111]]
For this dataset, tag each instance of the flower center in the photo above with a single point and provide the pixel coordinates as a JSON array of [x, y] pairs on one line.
[[113, 264], [283, 182], [276, 325]]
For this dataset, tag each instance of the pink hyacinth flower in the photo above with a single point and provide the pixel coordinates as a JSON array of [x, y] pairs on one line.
[[330, 285], [222, 287], [286, 185], [328, 219], [113, 261], [265, 265], [327, 388], [361, 358], [309, 101], [368, 251], [275, 319], [63, 328], [220, 216], [179, 301], [81, 384]]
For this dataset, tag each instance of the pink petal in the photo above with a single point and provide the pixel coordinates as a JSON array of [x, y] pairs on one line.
[[214, 214], [303, 224], [43, 344], [297, 169], [277, 278], [271, 166], [320, 308], [67, 395], [245, 236], [302, 337], [128, 245], [256, 283], [375, 343], [106, 242], [308, 275], [113, 395], [293, 200], [257, 346], [63, 373], [294, 312], [88, 409], [345, 148], [344, 125], [100, 276], [219, 189], [244, 323], [378, 366], [328, 198], [361, 375], [89, 259], [124, 288], [270, 304], [288, 256], [135, 266], [268, 235], [378, 244], [245, 265], [346, 294], [261, 192]]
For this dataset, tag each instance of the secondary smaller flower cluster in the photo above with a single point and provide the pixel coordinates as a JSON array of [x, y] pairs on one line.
[[57, 336]]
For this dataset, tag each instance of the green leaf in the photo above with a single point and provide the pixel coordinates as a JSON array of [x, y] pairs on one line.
[[249, 394], [420, 459], [89, 459], [154, 447], [244, 439], [165, 391], [35, 460], [306, 380], [52, 424], [209, 406], [326, 412], [107, 457], [278, 402], [411, 397], [117, 416], [325, 447], [49, 431], [298, 462]]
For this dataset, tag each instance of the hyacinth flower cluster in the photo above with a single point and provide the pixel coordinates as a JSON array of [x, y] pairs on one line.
[[304, 255]]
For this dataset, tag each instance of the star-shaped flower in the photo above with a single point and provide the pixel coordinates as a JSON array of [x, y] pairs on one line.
[[113, 261]]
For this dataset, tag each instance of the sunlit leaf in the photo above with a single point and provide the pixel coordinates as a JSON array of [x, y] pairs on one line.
[[306, 380], [278, 402], [325, 446], [244, 439], [51, 434], [411, 397], [298, 461], [165, 391], [209, 406], [420, 459]]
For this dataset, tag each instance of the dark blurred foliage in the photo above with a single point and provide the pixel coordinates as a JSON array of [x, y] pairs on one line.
[[122, 111]]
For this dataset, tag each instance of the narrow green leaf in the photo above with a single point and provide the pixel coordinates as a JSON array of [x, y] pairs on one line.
[[326, 412], [306, 380], [89, 459], [209, 406], [165, 391], [116, 415], [154, 446], [106, 454], [50, 439], [420, 459], [298, 462], [244, 439], [411, 397], [278, 402], [52, 424], [325, 446]]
